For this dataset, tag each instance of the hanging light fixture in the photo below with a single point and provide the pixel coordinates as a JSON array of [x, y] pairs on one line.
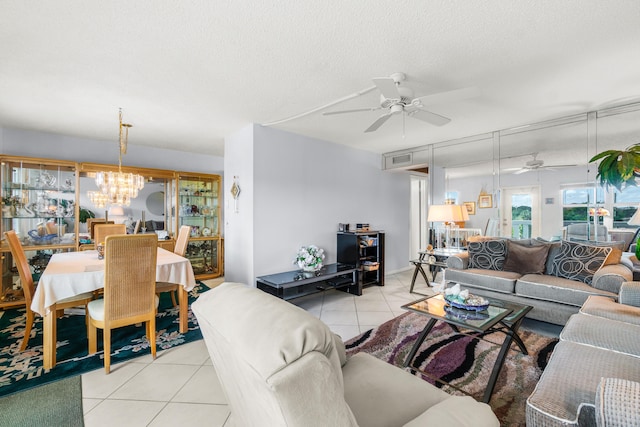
[[117, 188]]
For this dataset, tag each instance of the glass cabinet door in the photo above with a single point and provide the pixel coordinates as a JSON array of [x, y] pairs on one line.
[[198, 206], [39, 204]]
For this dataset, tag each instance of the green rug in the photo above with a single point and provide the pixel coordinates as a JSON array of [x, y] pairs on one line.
[[55, 404], [22, 370]]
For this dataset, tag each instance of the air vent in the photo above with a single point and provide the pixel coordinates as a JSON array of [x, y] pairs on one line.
[[402, 159]]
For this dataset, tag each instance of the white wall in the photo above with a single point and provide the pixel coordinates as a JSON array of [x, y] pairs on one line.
[[239, 224], [302, 188], [19, 142]]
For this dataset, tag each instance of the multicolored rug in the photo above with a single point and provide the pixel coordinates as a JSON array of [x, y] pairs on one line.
[[463, 361], [22, 370]]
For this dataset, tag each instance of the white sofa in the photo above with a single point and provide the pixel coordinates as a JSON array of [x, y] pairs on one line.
[[281, 366]]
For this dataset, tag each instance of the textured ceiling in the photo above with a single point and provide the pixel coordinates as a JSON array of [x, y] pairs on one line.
[[187, 74]]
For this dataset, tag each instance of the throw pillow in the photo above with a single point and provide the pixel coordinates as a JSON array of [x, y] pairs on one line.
[[526, 259], [616, 253], [579, 262], [487, 255]]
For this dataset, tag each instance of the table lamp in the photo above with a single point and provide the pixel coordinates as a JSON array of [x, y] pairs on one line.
[[449, 215]]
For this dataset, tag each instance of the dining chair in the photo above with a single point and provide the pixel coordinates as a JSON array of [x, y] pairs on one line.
[[101, 231], [180, 248], [92, 222], [28, 287], [129, 291]]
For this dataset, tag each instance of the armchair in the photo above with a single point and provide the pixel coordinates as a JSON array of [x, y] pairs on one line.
[[281, 366]]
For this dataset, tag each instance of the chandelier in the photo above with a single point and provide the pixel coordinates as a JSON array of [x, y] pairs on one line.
[[117, 188]]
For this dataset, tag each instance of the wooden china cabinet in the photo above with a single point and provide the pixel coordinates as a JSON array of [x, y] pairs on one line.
[[42, 201]]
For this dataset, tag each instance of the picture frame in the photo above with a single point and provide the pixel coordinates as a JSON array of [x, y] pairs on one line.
[[471, 207], [485, 201]]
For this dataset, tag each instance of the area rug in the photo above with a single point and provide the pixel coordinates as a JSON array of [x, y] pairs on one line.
[[58, 403], [21, 370], [462, 360]]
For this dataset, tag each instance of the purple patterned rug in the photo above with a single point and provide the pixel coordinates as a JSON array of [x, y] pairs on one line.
[[463, 361]]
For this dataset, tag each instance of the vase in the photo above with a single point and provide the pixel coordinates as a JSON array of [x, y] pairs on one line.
[[312, 268]]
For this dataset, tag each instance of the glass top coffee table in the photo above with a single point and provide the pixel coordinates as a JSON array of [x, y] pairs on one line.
[[500, 316]]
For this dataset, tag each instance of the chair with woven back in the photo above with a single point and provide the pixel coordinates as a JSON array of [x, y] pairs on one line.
[[129, 291], [180, 248], [28, 287], [101, 231], [92, 222]]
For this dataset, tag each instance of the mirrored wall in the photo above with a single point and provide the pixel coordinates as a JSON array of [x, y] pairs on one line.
[[535, 180]]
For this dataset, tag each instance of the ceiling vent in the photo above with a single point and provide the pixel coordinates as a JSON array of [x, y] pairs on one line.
[[401, 160]]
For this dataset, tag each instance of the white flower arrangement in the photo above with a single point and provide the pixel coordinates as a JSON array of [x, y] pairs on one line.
[[309, 258]]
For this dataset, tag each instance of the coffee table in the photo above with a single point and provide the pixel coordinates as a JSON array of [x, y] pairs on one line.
[[500, 316]]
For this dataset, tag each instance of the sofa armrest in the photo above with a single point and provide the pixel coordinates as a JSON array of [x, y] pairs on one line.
[[630, 294], [611, 277], [449, 413], [617, 402], [459, 261]]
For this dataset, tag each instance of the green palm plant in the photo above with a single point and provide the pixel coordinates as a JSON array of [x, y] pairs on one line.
[[618, 168]]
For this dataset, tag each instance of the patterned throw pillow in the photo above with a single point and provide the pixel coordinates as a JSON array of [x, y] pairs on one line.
[[488, 255], [578, 262]]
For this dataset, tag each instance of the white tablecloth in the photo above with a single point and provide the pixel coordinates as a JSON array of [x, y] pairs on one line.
[[72, 273]]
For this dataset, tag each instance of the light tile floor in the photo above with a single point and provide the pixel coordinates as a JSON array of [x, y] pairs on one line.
[[180, 387]]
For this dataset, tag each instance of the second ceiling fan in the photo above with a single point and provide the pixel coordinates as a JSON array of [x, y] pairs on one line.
[[397, 99]]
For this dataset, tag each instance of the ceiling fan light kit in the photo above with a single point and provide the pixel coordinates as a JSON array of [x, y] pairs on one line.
[[397, 99]]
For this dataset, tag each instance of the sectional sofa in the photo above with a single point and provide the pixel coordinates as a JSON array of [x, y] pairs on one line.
[[593, 376], [555, 278]]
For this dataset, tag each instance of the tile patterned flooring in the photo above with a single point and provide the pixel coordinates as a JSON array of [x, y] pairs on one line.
[[180, 387]]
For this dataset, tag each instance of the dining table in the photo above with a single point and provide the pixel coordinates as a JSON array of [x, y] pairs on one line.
[[73, 273]]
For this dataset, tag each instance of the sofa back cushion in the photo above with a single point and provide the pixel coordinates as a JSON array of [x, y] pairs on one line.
[[488, 255], [278, 364], [526, 259], [579, 262]]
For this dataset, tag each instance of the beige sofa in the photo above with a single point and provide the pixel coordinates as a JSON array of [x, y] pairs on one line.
[[281, 366], [593, 376]]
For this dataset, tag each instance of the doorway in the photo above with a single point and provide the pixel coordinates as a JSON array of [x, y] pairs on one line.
[[520, 210]]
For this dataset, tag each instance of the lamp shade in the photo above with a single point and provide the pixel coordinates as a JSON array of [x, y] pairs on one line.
[[116, 211], [447, 213]]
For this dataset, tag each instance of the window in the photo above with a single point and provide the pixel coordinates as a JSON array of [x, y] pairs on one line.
[[625, 204], [576, 202]]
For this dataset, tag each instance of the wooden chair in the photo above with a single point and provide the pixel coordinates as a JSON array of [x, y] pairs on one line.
[[92, 222], [29, 287], [101, 231], [129, 291], [180, 248]]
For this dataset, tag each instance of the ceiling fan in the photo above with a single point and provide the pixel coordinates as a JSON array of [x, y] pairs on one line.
[[535, 164], [397, 99]]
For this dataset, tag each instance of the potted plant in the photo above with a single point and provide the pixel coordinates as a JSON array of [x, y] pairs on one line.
[[618, 168], [85, 214]]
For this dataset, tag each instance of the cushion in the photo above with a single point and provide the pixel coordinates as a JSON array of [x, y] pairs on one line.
[[488, 255], [525, 259], [579, 262], [617, 247]]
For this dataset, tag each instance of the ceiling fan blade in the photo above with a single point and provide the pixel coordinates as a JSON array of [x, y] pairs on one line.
[[387, 87], [449, 96], [523, 170], [429, 117], [557, 166], [329, 113], [375, 125]]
